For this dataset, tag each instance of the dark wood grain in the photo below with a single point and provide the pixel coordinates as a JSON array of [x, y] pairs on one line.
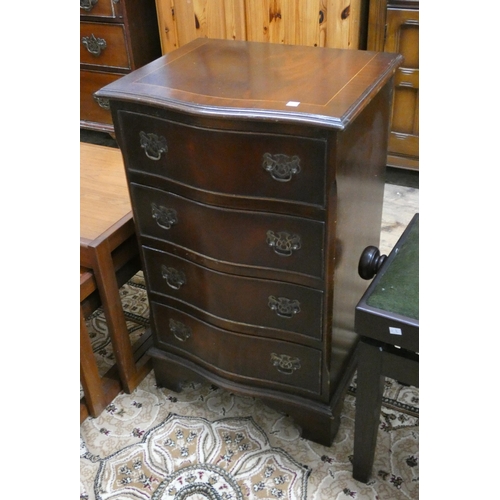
[[236, 298], [216, 107], [227, 161], [247, 231], [259, 80]]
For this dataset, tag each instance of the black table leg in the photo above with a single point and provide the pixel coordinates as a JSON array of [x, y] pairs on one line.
[[370, 388]]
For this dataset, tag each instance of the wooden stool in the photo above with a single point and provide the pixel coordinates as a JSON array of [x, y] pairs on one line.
[[387, 321], [108, 247]]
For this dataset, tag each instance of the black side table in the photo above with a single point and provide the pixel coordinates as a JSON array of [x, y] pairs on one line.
[[387, 322]]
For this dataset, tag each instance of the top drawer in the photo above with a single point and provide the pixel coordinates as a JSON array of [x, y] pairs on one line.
[[100, 8], [103, 45], [244, 164]]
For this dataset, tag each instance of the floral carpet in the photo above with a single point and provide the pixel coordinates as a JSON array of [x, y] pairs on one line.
[[208, 443], [205, 442]]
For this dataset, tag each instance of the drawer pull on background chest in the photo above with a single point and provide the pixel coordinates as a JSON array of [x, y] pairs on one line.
[[283, 243], [174, 278], [94, 45], [284, 307], [102, 101], [164, 217], [87, 5], [181, 331], [153, 145], [281, 167], [284, 363]]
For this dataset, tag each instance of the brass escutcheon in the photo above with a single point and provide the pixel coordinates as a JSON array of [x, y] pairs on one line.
[[284, 363], [153, 145], [164, 217], [281, 167], [283, 307], [181, 331], [174, 278], [283, 243]]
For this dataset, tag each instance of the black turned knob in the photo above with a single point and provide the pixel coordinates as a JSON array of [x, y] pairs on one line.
[[370, 262]]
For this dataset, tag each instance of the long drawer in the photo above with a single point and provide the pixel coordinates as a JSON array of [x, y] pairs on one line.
[[236, 163], [90, 109], [263, 303], [239, 237], [267, 361], [103, 45]]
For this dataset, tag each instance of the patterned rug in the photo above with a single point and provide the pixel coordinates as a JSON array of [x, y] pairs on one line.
[[207, 443]]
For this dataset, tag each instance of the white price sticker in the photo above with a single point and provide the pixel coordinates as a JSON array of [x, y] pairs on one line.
[[395, 331]]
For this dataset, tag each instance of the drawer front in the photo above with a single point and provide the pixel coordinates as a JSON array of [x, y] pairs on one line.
[[235, 163], [252, 358], [90, 109], [100, 8], [103, 45], [238, 237], [263, 303]]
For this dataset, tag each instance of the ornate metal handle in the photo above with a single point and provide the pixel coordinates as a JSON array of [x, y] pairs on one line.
[[153, 145], [284, 307], [283, 243], [87, 5], [102, 101], [165, 217], [174, 278], [284, 363], [180, 330], [94, 45], [281, 167]]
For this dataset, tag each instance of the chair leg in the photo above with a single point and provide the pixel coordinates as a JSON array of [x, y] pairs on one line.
[[95, 398], [115, 319]]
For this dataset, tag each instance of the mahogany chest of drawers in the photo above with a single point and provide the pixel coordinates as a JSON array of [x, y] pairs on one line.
[[116, 37], [256, 176]]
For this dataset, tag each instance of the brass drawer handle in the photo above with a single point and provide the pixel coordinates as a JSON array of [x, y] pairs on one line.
[[181, 331], [87, 5], [102, 101], [281, 167], [94, 45], [283, 243], [174, 278], [165, 217], [153, 145], [283, 307], [284, 363]]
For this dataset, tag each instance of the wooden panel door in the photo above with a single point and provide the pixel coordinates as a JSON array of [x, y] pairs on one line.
[[320, 23], [402, 36], [394, 27]]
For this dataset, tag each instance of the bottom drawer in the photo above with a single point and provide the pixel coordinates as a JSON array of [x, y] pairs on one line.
[[264, 361], [90, 110]]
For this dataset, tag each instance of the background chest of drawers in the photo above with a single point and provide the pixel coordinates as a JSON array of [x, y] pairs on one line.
[[116, 37], [255, 189]]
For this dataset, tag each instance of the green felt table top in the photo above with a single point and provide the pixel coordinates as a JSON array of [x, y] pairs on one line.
[[397, 290]]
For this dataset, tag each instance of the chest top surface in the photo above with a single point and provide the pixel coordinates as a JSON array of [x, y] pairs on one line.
[[254, 80]]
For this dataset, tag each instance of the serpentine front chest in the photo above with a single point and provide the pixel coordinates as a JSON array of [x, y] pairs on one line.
[[256, 176]]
